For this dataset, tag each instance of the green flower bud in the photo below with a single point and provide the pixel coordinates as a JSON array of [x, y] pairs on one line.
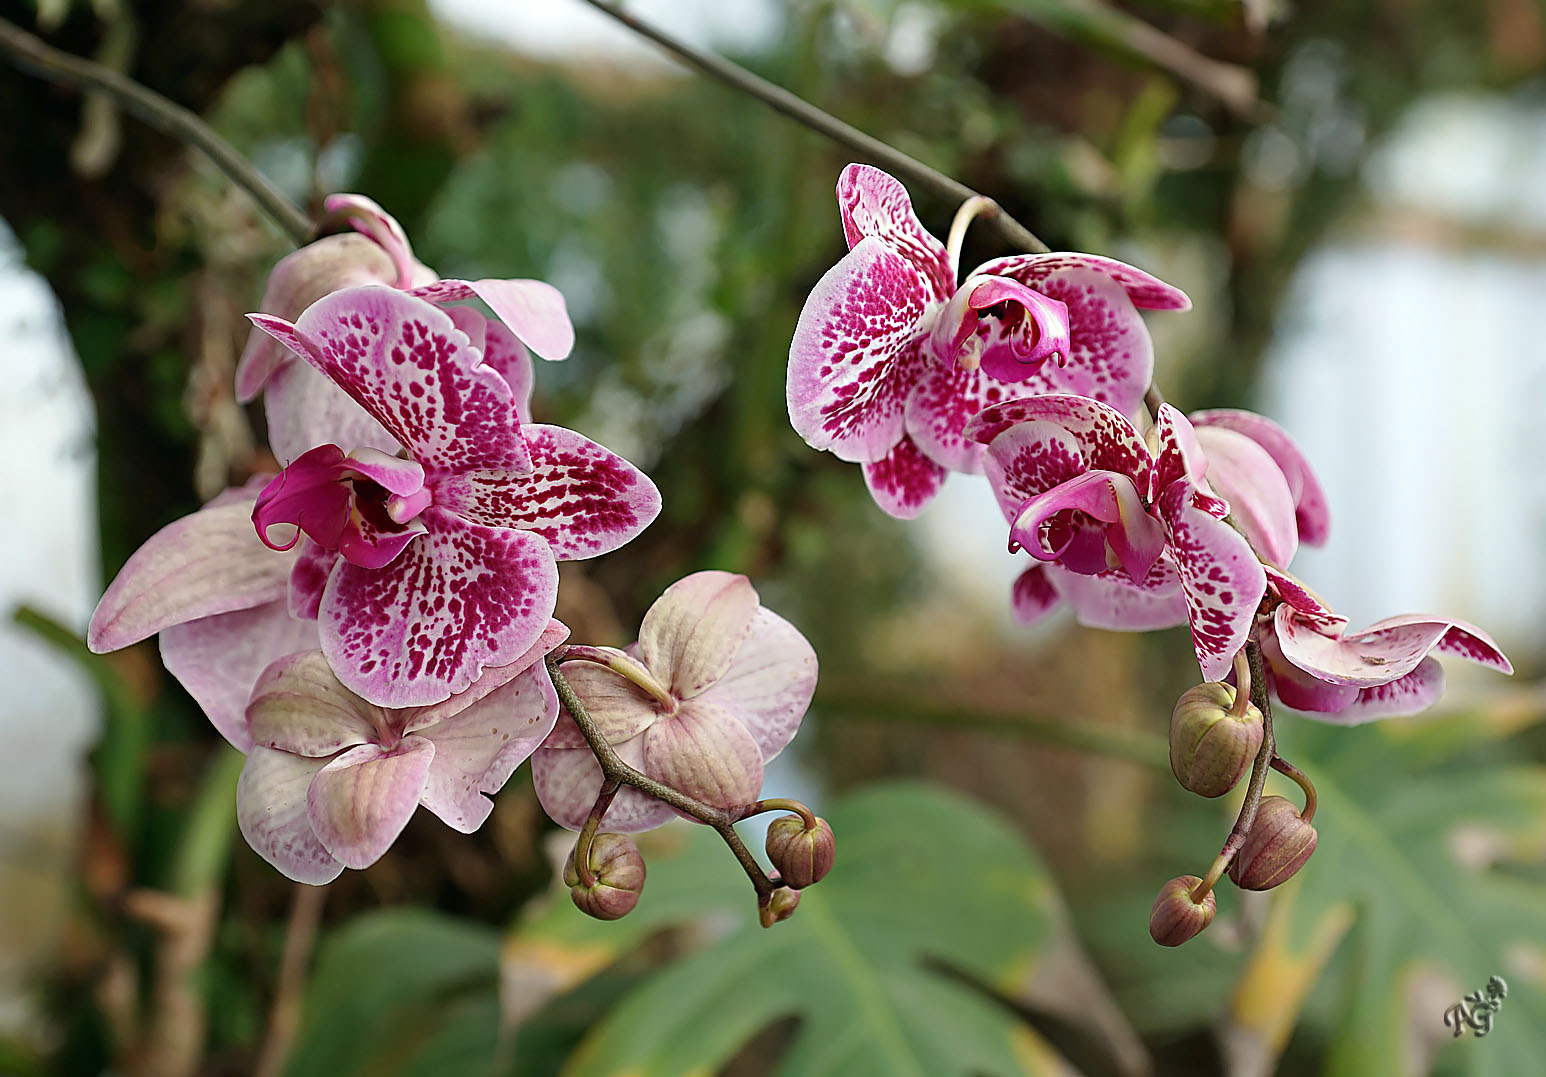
[[619, 872], [781, 906], [800, 856], [1211, 749], [1175, 917], [1278, 844]]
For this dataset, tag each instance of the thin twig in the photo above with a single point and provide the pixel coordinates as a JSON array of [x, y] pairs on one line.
[[32, 55], [803, 112], [284, 1016]]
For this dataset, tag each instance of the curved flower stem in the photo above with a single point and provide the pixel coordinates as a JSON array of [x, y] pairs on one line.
[[975, 206], [1243, 683], [613, 769], [803, 112], [1301, 779], [582, 844], [32, 55], [781, 804], [1258, 781]]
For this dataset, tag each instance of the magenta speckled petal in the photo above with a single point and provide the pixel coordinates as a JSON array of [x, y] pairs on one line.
[[943, 400], [534, 310], [1106, 437], [704, 751], [1382, 652], [875, 204], [218, 659], [1181, 459], [1033, 597], [1404, 696], [856, 340], [1297, 689], [478, 748], [1260, 502], [1003, 326], [1134, 537], [271, 812], [769, 684], [308, 579], [460, 598], [691, 633], [1028, 459], [1313, 515], [1297, 593], [405, 362], [362, 799], [299, 706], [506, 354], [904, 480], [584, 499], [567, 781], [206, 563], [489, 681], [1112, 601], [1144, 290], [1220, 575], [305, 409]]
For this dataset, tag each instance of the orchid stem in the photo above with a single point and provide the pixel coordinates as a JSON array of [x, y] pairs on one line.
[[1301, 779], [803, 112], [582, 844], [1242, 685], [613, 769], [32, 55], [807, 816], [978, 205], [1253, 791]]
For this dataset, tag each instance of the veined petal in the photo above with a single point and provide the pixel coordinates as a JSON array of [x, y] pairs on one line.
[[703, 751], [533, 310], [904, 480], [769, 684], [567, 781], [855, 343], [692, 632], [305, 409], [299, 706], [1144, 290], [361, 800], [1135, 537], [1260, 502], [1111, 599], [875, 204], [618, 706], [1460, 638], [1310, 507], [943, 399], [1106, 437], [1033, 596], [581, 497], [1028, 459], [366, 216], [1220, 575], [478, 748], [1297, 593], [271, 812], [406, 363], [218, 659], [461, 598], [206, 563]]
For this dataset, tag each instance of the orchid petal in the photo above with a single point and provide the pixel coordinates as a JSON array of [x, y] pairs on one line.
[[271, 813], [769, 684], [854, 351], [501, 350], [1296, 593], [461, 598], [692, 632], [1033, 596], [299, 706], [1310, 507], [491, 680], [1009, 346], [581, 497], [1300, 690], [1181, 459], [1146, 291], [1260, 502], [705, 752], [533, 310], [305, 409], [218, 659], [567, 782], [618, 706], [1404, 696], [904, 481], [943, 399], [366, 216], [206, 563], [1135, 537], [1382, 652], [312, 494], [308, 579], [1221, 576], [362, 799], [1106, 437], [1028, 459], [1111, 599], [874, 204]]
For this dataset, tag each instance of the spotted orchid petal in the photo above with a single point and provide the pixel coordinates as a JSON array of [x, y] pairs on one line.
[[1002, 326], [1180, 458], [567, 781], [299, 706], [218, 659], [704, 751], [582, 498], [1407, 695], [875, 205], [1297, 593], [943, 399], [1029, 459], [1260, 502], [904, 481], [493, 678], [1034, 270], [1382, 652], [502, 351], [305, 409], [206, 563], [769, 683], [1044, 528], [1310, 508], [404, 361], [532, 309], [1220, 575], [1033, 596], [1111, 599], [691, 634], [271, 814], [308, 579], [461, 598], [360, 801], [478, 748], [854, 352], [1106, 438], [1300, 690], [317, 494]]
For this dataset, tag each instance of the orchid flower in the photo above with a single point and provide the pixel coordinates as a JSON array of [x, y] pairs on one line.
[[424, 568], [715, 687], [1136, 537], [303, 409], [891, 358], [331, 779]]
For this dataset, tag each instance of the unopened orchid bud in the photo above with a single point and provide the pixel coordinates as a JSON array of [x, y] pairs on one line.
[[1175, 917], [618, 869], [801, 856], [1210, 747], [781, 906], [1279, 843]]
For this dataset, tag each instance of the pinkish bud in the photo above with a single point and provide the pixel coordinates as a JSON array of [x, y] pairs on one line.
[[1210, 748], [1175, 917], [781, 906], [800, 856], [1278, 844], [619, 873]]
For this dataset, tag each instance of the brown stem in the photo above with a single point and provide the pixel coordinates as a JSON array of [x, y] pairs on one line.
[[783, 804], [582, 844], [1301, 779], [284, 1016]]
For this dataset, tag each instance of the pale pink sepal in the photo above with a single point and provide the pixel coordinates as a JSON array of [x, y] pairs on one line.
[[532, 309], [361, 800], [691, 633], [272, 815]]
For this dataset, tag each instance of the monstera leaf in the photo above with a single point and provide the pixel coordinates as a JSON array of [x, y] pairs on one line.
[[1426, 881]]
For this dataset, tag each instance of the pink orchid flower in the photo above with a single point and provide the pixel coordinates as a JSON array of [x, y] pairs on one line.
[[425, 568], [1387, 670], [891, 358], [1136, 538], [331, 779], [303, 409], [715, 687]]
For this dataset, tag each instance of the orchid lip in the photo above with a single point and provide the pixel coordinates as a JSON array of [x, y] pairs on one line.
[[403, 508]]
